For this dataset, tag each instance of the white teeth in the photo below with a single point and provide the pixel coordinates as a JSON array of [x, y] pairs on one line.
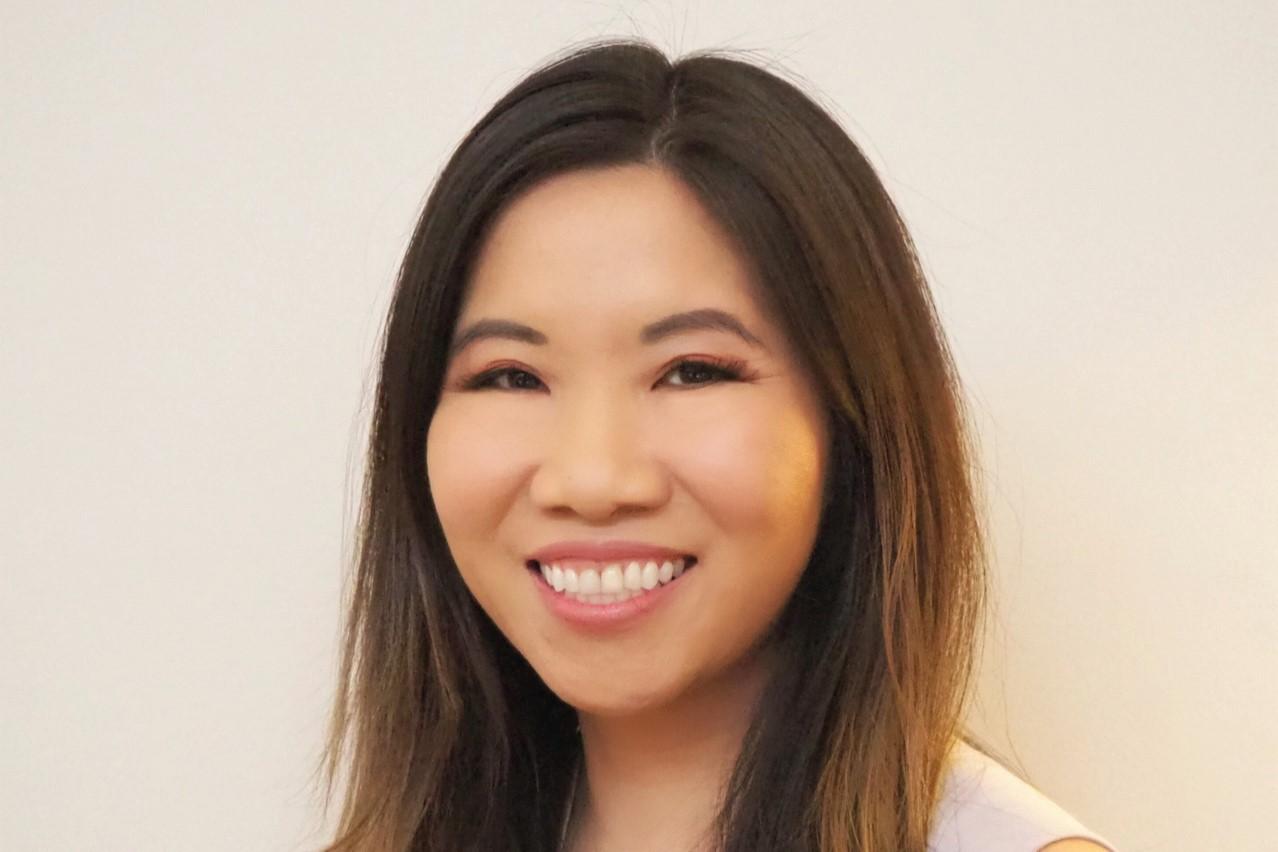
[[667, 572], [649, 577], [604, 598], [615, 582], [610, 581], [633, 578]]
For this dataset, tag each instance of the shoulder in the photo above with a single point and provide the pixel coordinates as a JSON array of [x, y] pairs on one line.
[[985, 806]]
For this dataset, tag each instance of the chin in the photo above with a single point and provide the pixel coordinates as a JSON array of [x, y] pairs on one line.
[[597, 697]]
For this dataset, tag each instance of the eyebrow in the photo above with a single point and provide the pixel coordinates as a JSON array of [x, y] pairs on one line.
[[702, 319]]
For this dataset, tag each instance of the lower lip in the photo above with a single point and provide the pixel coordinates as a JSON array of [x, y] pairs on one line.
[[613, 616]]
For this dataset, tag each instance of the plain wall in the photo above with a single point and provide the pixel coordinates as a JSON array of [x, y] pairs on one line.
[[202, 207]]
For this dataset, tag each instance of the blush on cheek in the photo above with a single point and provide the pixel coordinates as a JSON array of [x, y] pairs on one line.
[[796, 472], [746, 470], [474, 473]]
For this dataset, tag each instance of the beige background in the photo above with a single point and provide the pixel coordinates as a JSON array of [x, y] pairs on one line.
[[202, 210]]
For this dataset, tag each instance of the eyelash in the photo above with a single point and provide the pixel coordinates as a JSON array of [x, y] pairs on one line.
[[728, 369]]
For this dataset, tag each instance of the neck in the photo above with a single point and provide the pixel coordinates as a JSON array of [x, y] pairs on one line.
[[654, 780]]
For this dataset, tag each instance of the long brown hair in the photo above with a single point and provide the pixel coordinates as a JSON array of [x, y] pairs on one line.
[[453, 741]]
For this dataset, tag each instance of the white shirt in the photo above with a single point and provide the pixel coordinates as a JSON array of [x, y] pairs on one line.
[[986, 808]]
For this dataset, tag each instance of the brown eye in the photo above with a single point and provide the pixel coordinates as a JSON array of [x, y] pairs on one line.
[[702, 372], [521, 380]]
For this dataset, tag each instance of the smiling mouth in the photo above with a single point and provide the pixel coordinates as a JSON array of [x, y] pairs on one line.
[[610, 582]]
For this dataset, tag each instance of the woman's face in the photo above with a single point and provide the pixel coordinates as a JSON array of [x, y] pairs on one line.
[[594, 432]]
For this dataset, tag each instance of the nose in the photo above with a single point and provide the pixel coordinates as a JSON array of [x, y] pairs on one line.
[[597, 463]]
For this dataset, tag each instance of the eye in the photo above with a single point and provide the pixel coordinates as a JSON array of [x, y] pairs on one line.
[[729, 370], [688, 373], [505, 378]]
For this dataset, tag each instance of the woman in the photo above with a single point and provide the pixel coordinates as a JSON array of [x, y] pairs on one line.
[[668, 537]]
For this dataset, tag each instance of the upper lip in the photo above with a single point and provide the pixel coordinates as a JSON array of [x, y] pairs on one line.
[[601, 551]]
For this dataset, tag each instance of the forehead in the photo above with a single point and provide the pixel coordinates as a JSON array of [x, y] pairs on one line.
[[614, 243]]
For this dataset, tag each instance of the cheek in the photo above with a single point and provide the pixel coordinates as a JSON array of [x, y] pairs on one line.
[[469, 466], [753, 467]]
